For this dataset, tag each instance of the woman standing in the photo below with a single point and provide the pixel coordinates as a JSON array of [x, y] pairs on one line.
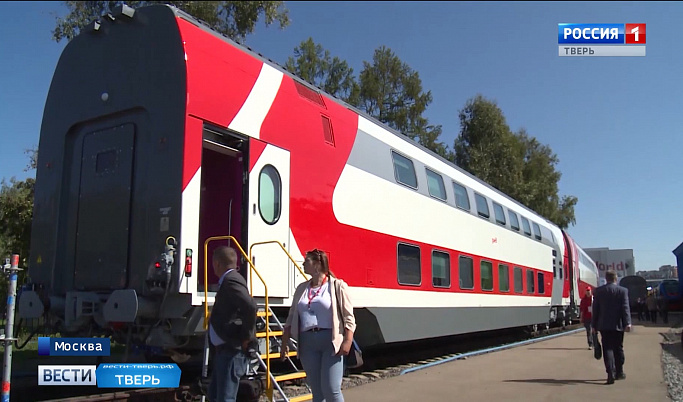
[[321, 320]]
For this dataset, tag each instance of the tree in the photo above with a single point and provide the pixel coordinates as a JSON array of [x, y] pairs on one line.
[[314, 64], [539, 190], [516, 164], [16, 212], [392, 93], [235, 19], [487, 148]]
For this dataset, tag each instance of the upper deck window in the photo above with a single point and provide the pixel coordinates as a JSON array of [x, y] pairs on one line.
[[499, 213], [461, 198], [435, 185], [527, 228], [404, 170], [514, 222], [482, 205], [537, 231]]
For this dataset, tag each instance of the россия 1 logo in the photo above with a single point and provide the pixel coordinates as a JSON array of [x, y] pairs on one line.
[[601, 39]]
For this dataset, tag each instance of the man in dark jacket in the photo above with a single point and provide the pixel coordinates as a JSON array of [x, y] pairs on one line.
[[612, 317], [231, 327]]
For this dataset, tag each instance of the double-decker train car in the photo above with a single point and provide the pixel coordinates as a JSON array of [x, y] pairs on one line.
[[159, 134]]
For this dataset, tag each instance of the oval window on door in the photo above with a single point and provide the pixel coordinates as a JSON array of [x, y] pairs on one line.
[[270, 194]]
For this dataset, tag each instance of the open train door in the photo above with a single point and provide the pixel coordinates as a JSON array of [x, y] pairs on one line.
[[269, 217]]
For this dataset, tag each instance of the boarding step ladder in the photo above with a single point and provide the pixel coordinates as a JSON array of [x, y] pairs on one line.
[[270, 334], [266, 319]]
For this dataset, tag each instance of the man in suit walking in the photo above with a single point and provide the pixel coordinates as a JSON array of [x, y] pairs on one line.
[[612, 317]]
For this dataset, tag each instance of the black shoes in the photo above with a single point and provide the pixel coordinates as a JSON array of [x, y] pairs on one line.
[[619, 376]]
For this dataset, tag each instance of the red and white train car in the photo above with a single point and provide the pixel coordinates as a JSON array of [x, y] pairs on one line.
[[159, 131]]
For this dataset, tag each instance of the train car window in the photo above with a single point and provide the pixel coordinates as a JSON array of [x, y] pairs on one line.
[[466, 271], [461, 198], [404, 170], [499, 213], [503, 278], [269, 194], [519, 280], [409, 271], [537, 230], [541, 287], [435, 185], [514, 222], [486, 271], [482, 205], [441, 269], [527, 228], [529, 281]]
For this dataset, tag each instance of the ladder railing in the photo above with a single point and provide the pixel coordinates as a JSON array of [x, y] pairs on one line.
[[251, 250], [269, 378], [265, 317], [264, 359], [206, 284]]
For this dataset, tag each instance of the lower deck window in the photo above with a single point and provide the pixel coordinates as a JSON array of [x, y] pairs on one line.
[[441, 269], [530, 281], [486, 271], [519, 280], [409, 272], [466, 271], [503, 278], [541, 288]]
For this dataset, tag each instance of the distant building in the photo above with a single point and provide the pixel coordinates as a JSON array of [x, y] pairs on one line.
[[664, 272], [669, 272], [621, 261]]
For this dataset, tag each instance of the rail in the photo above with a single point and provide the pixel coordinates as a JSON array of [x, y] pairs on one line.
[[251, 249], [269, 384]]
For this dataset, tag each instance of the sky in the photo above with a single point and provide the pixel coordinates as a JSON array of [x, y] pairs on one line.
[[614, 122]]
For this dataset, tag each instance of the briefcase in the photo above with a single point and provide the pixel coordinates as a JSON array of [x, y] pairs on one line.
[[597, 347]]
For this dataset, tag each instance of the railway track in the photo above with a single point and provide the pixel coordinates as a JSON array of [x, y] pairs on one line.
[[380, 363]]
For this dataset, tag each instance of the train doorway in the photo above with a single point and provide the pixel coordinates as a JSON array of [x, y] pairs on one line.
[[221, 198]]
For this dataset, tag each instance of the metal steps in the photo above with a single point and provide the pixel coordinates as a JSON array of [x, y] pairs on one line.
[[271, 339]]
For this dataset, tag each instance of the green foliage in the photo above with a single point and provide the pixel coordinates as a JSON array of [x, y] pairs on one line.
[[392, 93], [235, 19], [314, 64], [487, 148], [389, 89], [16, 212], [517, 164]]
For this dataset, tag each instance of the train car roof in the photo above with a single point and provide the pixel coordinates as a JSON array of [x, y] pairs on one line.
[[204, 26]]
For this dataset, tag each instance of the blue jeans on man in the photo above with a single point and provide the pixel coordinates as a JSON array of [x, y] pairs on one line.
[[589, 333], [229, 365]]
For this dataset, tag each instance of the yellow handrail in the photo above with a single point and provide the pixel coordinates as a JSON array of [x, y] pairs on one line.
[[206, 285], [269, 385], [251, 249]]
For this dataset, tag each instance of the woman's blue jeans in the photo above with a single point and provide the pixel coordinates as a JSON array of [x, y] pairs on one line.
[[324, 370]]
